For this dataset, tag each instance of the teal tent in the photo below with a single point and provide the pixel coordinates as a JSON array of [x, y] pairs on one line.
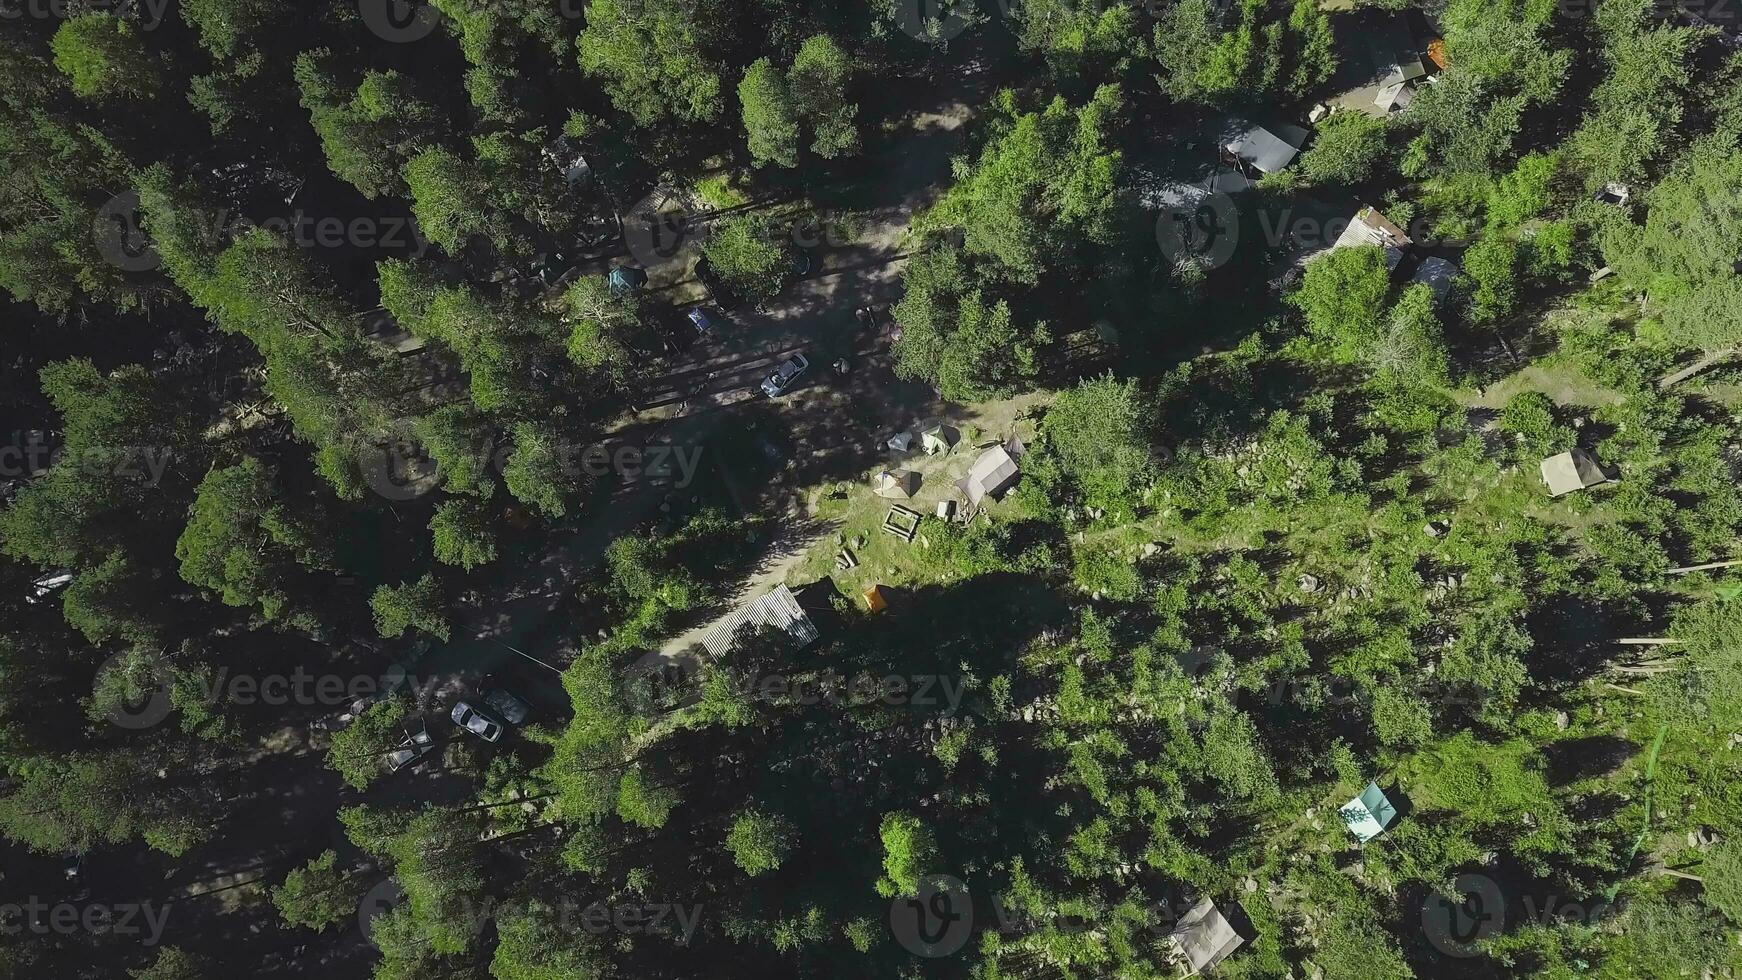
[[624, 279], [1369, 814]]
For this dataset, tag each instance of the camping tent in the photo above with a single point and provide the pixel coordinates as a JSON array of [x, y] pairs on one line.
[[896, 483], [901, 442], [990, 475], [1570, 471], [626, 279], [937, 439], [1368, 814], [1203, 937], [1262, 148], [875, 600]]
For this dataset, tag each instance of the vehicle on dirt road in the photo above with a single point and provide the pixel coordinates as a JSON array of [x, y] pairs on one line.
[[508, 707], [416, 745], [784, 376], [477, 721]]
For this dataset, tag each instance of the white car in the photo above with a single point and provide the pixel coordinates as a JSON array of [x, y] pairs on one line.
[[781, 380], [46, 586], [476, 721]]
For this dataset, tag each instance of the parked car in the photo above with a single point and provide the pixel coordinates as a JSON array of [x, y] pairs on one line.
[[781, 381], [475, 720], [506, 706], [416, 745], [46, 586]]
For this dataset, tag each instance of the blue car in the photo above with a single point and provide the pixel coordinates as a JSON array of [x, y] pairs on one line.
[[704, 323]]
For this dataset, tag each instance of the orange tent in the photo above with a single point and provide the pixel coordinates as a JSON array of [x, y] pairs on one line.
[[1436, 52], [875, 600]]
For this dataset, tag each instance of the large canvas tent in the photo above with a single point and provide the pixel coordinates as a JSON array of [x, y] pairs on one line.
[[990, 476], [1203, 937], [1570, 471], [1265, 150]]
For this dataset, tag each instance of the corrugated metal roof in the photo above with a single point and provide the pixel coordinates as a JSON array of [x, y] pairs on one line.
[[778, 608]]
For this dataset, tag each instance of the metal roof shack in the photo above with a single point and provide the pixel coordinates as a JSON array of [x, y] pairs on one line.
[[777, 609], [1264, 150]]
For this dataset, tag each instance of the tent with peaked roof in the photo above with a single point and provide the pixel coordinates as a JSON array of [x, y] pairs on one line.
[[896, 483], [937, 439], [875, 600], [1264, 149], [1203, 937], [1369, 814], [991, 475], [626, 279], [1570, 471]]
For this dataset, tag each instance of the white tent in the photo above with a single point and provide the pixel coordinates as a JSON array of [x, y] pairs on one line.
[[1203, 937], [1570, 471]]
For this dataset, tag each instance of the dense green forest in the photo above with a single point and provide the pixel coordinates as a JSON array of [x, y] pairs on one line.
[[546, 489]]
